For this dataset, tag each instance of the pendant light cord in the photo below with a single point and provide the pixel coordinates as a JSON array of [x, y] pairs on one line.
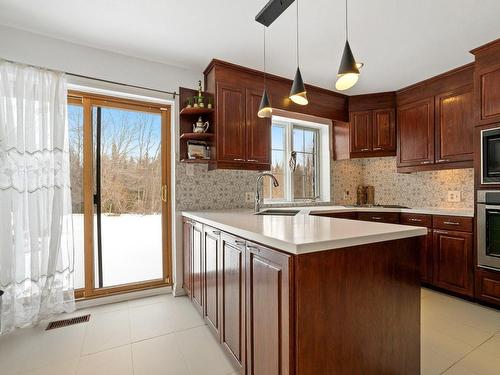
[[297, 33], [265, 57], [346, 28]]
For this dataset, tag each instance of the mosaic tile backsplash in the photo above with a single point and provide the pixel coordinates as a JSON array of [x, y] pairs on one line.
[[422, 189], [225, 189]]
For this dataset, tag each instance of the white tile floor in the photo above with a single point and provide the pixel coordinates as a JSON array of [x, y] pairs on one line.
[[165, 335]]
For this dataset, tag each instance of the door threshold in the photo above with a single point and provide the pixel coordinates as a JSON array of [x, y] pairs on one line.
[[121, 297]]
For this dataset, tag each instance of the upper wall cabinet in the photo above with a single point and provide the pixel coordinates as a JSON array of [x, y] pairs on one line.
[[487, 83], [416, 133], [435, 123], [242, 140], [454, 129], [372, 127]]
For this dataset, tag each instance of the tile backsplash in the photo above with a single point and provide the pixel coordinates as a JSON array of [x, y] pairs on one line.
[[225, 189], [215, 190], [421, 189]]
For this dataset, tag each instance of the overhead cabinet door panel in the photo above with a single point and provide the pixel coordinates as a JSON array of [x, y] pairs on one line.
[[454, 126], [416, 133], [231, 123], [258, 130]]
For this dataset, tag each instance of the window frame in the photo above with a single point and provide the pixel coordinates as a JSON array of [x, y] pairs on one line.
[[289, 126]]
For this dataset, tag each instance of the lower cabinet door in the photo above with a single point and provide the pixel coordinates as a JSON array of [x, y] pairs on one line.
[[211, 269], [197, 266], [268, 311], [233, 298], [187, 228], [488, 286], [453, 263], [426, 257]]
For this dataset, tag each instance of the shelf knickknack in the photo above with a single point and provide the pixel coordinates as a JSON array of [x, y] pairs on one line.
[[196, 146]]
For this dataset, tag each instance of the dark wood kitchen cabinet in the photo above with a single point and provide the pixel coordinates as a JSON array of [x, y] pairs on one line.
[[361, 131], [187, 228], [384, 130], [230, 123], [242, 140], [425, 243], [232, 294], [372, 125], [270, 323], [435, 122], [416, 133], [453, 261], [197, 265], [211, 277], [454, 126], [268, 289], [381, 217], [487, 83], [258, 130]]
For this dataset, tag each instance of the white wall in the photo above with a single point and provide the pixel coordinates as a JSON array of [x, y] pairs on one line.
[[28, 48]]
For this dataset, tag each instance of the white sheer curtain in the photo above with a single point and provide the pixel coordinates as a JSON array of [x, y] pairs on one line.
[[36, 241]]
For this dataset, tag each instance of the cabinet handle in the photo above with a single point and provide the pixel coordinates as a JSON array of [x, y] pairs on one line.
[[240, 242], [239, 159], [377, 148], [425, 162], [377, 218], [440, 231], [451, 223], [253, 248], [442, 161], [415, 220], [253, 160], [365, 149], [216, 232]]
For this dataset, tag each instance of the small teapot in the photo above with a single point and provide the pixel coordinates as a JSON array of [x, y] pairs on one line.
[[200, 126]]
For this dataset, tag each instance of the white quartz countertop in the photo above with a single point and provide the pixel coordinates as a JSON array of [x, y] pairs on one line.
[[417, 210], [303, 233]]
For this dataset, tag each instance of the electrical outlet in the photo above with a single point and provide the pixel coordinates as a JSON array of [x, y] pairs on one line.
[[453, 196], [249, 196], [346, 195]]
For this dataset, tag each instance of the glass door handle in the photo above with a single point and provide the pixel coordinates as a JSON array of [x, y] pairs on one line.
[[164, 193]]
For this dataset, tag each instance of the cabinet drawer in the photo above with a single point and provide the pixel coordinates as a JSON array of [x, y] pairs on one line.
[[488, 286], [420, 220], [459, 223], [383, 217]]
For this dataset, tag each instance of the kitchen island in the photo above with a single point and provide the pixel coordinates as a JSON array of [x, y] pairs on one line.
[[306, 294]]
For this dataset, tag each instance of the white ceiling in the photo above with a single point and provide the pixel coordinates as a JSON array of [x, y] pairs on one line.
[[400, 41]]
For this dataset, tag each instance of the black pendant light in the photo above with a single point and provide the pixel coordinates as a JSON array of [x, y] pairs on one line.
[[348, 73], [265, 109], [298, 93]]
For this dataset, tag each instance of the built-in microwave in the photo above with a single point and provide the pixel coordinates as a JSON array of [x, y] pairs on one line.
[[490, 156]]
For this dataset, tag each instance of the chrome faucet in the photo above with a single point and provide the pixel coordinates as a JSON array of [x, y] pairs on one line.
[[258, 188]]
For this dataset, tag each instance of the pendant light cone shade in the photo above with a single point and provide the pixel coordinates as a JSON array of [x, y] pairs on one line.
[[298, 93], [265, 109], [348, 73]]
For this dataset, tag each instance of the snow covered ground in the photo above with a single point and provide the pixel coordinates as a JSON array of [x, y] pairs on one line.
[[131, 249]]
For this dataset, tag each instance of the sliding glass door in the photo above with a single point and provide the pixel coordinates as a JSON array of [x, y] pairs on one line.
[[126, 204]]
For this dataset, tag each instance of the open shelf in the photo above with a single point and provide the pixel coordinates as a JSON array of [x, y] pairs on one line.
[[197, 136], [196, 111]]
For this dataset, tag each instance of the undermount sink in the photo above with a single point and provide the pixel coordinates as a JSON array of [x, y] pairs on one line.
[[279, 212]]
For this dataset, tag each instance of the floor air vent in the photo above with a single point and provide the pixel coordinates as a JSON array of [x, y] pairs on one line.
[[68, 322]]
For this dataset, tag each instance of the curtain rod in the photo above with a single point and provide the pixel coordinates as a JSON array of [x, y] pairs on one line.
[[174, 94]]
